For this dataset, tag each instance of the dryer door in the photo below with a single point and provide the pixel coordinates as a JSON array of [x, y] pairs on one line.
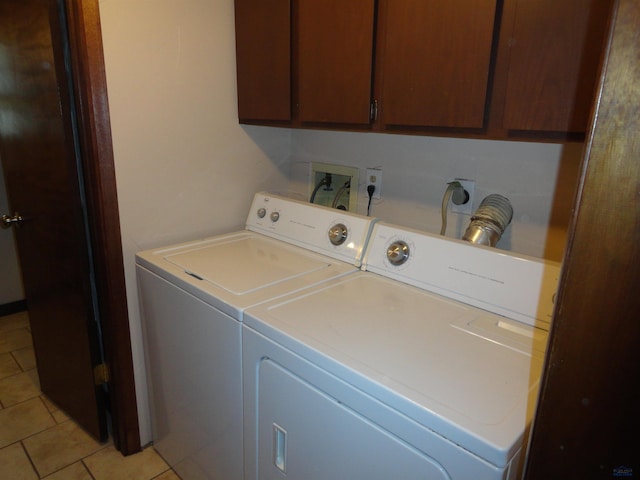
[[304, 434]]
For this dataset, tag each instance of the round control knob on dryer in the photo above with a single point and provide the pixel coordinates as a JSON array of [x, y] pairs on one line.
[[338, 234], [262, 212], [275, 216], [398, 252]]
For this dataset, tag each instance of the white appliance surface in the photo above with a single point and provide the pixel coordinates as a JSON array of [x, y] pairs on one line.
[[404, 337], [193, 358], [267, 260], [515, 286], [192, 297]]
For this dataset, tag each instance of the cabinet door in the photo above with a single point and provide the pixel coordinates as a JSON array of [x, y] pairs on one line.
[[435, 61], [555, 50], [263, 56], [334, 51]]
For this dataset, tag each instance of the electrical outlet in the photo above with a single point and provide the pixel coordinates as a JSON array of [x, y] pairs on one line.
[[374, 177], [470, 187]]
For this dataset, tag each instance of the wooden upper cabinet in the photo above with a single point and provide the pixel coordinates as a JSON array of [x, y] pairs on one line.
[[263, 57], [434, 60], [333, 51], [555, 48], [503, 69]]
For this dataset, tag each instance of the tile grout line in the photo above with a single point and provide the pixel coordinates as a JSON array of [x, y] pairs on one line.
[[169, 469], [55, 423], [15, 358], [86, 467], [26, 452], [18, 373]]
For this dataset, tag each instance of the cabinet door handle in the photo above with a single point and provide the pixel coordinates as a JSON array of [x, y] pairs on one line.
[[280, 448], [373, 114]]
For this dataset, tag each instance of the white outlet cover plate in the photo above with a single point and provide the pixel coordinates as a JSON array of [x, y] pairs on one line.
[[374, 177]]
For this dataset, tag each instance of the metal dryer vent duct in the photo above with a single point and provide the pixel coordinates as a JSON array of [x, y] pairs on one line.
[[490, 220]]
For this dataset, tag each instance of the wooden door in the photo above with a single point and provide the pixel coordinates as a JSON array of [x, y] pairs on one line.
[[555, 49], [333, 57], [434, 62], [263, 58], [41, 166]]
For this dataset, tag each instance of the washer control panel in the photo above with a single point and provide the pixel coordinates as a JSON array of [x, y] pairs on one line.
[[336, 233]]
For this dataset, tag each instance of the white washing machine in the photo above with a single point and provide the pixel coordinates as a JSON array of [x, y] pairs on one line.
[[192, 299], [426, 366]]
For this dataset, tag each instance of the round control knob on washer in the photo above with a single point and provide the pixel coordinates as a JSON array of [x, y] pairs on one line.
[[275, 216], [262, 212], [398, 252], [338, 234]]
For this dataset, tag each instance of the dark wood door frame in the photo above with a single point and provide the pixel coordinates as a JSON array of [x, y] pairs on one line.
[[94, 132], [587, 420]]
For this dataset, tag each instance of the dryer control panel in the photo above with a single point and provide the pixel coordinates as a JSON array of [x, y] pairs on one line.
[[515, 286]]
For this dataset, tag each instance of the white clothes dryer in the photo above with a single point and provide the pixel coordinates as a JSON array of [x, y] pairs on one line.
[[192, 299], [426, 366]]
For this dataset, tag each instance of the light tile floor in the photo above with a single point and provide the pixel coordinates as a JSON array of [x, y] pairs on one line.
[[37, 440]]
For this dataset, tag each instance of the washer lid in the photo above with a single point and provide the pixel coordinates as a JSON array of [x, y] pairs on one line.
[[245, 265], [237, 270]]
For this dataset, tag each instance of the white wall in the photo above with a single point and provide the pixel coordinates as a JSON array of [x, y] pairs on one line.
[[10, 276], [184, 167], [538, 178]]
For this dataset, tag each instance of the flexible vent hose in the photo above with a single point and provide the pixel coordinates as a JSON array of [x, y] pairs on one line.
[[490, 220]]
